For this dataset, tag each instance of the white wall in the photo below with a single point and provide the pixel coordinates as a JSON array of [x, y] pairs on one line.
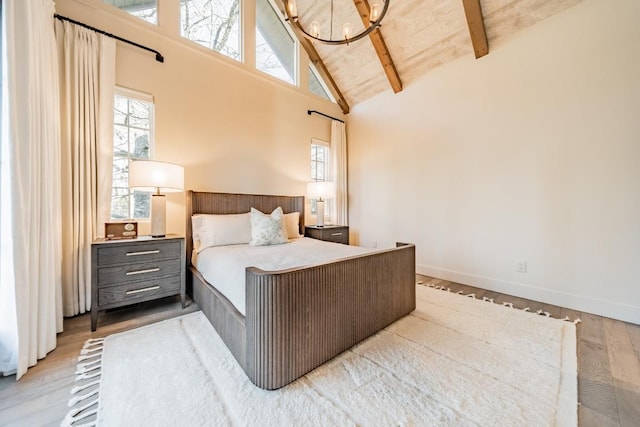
[[233, 128], [531, 153]]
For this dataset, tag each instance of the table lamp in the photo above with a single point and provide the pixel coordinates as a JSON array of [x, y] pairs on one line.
[[320, 190], [154, 176]]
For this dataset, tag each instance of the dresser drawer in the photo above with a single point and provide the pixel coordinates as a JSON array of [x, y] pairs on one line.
[[337, 236], [139, 291], [140, 252], [330, 233], [139, 271]]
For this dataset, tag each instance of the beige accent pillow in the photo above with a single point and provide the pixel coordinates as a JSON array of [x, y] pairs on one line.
[[267, 229], [220, 230], [292, 222]]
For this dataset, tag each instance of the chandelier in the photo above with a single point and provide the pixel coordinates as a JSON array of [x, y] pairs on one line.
[[311, 30]]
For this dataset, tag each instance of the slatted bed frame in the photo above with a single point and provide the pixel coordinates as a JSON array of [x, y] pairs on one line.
[[297, 319]]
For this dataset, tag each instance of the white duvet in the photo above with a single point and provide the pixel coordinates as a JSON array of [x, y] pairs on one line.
[[225, 266]]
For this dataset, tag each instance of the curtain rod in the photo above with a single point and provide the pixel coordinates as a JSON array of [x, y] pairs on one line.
[[159, 56], [309, 112]]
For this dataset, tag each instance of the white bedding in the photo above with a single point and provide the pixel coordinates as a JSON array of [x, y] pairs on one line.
[[224, 266]]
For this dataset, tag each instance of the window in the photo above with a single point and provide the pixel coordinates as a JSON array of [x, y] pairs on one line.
[[319, 160], [214, 24], [132, 140], [317, 85], [143, 9], [320, 157], [275, 46]]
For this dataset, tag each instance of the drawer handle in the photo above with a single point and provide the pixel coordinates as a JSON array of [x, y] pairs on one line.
[[157, 251], [137, 291], [336, 234], [151, 270]]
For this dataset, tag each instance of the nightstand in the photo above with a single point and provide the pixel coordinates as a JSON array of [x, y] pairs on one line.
[[328, 233], [130, 271]]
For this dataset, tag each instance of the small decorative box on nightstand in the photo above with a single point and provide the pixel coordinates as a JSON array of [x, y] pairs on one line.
[[328, 233], [127, 272]]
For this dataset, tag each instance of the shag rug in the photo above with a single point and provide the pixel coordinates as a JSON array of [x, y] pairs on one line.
[[454, 361]]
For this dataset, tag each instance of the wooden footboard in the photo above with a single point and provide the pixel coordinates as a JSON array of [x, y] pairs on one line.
[[298, 319]]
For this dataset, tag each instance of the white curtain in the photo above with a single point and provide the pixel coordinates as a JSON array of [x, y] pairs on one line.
[[339, 171], [30, 257], [87, 83]]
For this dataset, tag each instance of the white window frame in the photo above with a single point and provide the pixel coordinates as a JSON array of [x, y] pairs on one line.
[[148, 98], [296, 58], [327, 170], [327, 162]]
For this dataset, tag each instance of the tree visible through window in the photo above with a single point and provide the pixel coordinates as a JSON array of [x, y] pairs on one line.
[[214, 24], [144, 9], [132, 140]]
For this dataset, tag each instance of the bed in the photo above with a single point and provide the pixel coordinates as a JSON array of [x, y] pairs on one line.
[[296, 319]]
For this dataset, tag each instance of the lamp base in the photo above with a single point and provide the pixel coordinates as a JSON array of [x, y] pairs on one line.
[[158, 215], [320, 213]]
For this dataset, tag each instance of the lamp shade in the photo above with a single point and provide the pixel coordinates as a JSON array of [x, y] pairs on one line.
[[151, 176], [321, 190]]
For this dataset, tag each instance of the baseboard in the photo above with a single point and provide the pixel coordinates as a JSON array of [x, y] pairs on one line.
[[612, 309]]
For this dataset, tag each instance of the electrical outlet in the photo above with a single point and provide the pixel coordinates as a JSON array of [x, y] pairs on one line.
[[521, 267]]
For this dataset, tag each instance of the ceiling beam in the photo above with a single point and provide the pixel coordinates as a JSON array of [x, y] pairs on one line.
[[380, 46], [315, 59], [475, 21]]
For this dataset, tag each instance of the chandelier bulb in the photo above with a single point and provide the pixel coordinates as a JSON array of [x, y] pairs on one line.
[[375, 12], [346, 30], [293, 8], [315, 29]]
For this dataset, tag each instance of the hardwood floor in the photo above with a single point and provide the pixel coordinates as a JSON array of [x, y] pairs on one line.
[[608, 362]]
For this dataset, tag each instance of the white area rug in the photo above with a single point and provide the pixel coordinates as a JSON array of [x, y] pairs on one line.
[[454, 361]]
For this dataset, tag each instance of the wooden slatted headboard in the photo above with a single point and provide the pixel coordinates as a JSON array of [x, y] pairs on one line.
[[227, 203]]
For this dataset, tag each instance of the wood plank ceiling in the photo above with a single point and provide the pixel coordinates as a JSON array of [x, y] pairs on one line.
[[416, 36]]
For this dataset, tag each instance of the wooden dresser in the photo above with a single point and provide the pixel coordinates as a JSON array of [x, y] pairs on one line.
[[127, 272], [328, 233]]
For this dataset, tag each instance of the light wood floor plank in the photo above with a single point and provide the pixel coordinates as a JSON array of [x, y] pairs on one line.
[[34, 412], [595, 385], [625, 366], [590, 418], [634, 336], [628, 402], [592, 329], [625, 371]]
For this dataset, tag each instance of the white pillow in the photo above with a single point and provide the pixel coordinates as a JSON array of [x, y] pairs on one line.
[[292, 222], [267, 229], [220, 230]]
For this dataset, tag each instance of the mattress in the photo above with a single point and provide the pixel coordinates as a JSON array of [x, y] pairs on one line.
[[224, 267]]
